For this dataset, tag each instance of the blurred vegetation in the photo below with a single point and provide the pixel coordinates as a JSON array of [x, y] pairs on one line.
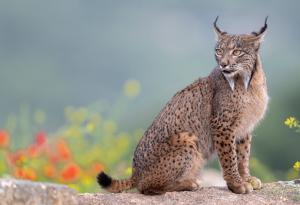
[[87, 144]]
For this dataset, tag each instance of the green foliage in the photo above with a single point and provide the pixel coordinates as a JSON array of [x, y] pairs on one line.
[[292, 122]]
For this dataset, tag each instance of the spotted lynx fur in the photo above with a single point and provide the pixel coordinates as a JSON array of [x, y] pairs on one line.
[[215, 114]]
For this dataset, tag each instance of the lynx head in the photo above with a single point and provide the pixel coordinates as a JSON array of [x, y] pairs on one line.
[[236, 54]]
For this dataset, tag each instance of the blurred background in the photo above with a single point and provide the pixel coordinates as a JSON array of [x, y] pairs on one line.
[[81, 80]]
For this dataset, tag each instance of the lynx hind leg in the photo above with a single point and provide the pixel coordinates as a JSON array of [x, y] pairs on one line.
[[188, 181], [175, 171]]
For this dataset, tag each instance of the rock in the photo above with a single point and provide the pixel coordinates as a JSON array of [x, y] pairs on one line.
[[21, 192], [272, 193], [211, 177]]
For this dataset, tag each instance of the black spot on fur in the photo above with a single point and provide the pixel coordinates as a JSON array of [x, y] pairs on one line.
[[104, 180]]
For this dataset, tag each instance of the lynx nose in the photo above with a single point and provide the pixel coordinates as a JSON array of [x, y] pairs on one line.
[[223, 64]]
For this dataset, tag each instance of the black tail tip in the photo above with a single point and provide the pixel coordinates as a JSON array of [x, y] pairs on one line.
[[104, 180]]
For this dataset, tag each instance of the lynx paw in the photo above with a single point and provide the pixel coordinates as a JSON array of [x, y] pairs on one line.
[[243, 188], [255, 182], [195, 186]]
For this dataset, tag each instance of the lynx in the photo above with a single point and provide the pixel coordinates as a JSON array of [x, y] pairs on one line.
[[215, 114]]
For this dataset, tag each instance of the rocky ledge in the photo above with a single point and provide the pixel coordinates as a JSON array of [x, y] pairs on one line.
[[21, 192], [17, 192]]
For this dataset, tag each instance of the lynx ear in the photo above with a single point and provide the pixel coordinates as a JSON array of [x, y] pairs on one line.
[[258, 37], [217, 30]]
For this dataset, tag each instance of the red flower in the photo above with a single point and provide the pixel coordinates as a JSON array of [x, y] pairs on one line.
[[17, 157], [4, 138], [53, 158], [33, 150], [40, 138], [70, 172]]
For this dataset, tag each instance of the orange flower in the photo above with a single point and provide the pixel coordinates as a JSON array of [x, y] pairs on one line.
[[97, 167], [26, 173], [19, 173], [4, 138], [49, 171], [70, 172], [63, 150], [40, 138]]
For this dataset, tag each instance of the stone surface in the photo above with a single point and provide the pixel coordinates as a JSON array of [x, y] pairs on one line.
[[21, 192], [211, 177], [273, 193]]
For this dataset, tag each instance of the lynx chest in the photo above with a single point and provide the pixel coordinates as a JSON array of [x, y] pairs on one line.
[[252, 106]]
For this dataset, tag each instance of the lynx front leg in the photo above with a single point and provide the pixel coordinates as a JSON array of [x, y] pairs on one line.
[[226, 149], [243, 155]]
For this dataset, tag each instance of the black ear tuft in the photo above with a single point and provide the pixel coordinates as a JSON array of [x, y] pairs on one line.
[[104, 180], [263, 29], [218, 31]]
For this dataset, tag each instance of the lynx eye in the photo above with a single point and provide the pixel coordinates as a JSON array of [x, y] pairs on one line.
[[219, 51], [237, 52]]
